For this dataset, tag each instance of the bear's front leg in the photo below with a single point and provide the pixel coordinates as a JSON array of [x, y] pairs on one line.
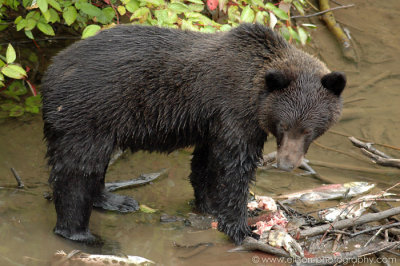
[[229, 193]]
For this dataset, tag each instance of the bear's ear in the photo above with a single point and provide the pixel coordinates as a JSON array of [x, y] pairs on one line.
[[335, 82], [276, 80]]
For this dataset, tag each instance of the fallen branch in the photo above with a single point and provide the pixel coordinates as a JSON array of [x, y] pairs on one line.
[[367, 146], [322, 12], [367, 218], [376, 143], [18, 178], [375, 155], [335, 28]]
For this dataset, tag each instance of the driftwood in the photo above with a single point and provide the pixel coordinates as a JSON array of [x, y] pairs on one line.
[[334, 27], [367, 218], [18, 178], [375, 155]]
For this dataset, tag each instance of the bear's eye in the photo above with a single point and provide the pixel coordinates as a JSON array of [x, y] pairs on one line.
[[285, 127], [307, 131]]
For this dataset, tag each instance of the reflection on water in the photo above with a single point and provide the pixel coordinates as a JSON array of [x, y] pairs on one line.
[[371, 112]]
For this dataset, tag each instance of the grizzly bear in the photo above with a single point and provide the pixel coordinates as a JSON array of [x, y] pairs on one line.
[[157, 89]]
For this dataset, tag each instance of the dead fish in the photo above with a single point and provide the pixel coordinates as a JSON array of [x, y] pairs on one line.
[[76, 257], [352, 209], [328, 192]]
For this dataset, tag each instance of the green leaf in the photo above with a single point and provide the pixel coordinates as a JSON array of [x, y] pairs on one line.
[[34, 101], [121, 10], [260, 17], [299, 7], [187, 25], [294, 34], [16, 111], [17, 88], [285, 32], [270, 6], [7, 106], [132, 6], [1, 77], [280, 13], [179, 7], [146, 209], [47, 15], [54, 16], [154, 2], [13, 71], [233, 13], [258, 3], [69, 15], [196, 2], [10, 54], [43, 6], [2, 64], [32, 109], [34, 15], [1, 84], [302, 35], [197, 17], [196, 7], [30, 24], [29, 34], [311, 26], [45, 28], [90, 9], [106, 16], [90, 30], [21, 24], [17, 20], [55, 4], [247, 14], [141, 14], [208, 29], [225, 27]]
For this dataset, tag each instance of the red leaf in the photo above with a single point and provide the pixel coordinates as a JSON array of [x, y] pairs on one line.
[[212, 4]]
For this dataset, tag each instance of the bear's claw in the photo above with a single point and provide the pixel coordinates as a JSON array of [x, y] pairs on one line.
[[114, 202]]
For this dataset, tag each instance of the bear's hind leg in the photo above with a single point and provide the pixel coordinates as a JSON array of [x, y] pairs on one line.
[[199, 178], [114, 202], [73, 201]]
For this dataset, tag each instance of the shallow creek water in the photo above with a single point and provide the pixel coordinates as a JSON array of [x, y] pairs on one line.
[[371, 111]]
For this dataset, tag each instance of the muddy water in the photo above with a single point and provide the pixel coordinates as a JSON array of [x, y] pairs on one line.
[[371, 111]]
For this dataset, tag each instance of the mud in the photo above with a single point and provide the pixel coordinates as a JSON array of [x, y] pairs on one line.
[[371, 111]]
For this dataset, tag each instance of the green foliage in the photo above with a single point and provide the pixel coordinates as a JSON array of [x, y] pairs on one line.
[[43, 15], [13, 74], [38, 18]]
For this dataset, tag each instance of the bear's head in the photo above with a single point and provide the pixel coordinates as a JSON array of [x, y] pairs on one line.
[[298, 109]]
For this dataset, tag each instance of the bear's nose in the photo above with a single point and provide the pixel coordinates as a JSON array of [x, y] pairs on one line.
[[285, 165]]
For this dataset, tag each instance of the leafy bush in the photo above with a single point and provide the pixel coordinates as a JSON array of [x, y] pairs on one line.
[[50, 17]]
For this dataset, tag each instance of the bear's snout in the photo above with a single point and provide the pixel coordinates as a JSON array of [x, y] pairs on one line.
[[290, 153]]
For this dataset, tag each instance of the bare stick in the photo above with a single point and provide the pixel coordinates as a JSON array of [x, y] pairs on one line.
[[323, 12], [386, 226], [367, 218], [373, 237], [376, 143], [381, 160], [368, 147], [18, 178]]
